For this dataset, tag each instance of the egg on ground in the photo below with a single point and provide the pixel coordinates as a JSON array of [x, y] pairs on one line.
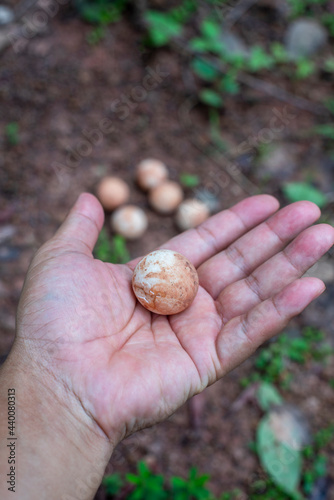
[[112, 192], [129, 221], [166, 197], [150, 173], [191, 213]]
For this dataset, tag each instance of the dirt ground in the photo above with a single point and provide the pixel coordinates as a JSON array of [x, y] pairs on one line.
[[59, 90]]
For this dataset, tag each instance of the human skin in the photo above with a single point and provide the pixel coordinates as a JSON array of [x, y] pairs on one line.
[[91, 366]]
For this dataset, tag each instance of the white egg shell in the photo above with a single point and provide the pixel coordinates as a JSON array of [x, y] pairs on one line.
[[129, 221], [165, 282], [191, 213], [150, 173]]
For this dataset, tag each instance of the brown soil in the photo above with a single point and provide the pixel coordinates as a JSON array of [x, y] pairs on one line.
[[59, 90]]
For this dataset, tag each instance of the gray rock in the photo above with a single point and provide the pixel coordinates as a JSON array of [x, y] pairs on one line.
[[278, 162], [6, 15], [233, 44], [323, 269], [304, 38], [208, 198], [7, 232]]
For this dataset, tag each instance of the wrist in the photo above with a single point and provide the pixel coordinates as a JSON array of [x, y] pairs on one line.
[[61, 452]]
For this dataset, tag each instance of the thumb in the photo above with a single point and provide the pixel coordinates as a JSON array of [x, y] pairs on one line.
[[82, 226]]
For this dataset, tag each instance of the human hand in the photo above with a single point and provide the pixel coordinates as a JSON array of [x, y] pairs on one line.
[[105, 367], [130, 368]]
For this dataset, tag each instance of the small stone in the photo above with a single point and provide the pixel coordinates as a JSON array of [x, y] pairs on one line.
[[7, 321], [323, 269], [7, 232], [304, 38], [208, 198], [9, 253], [6, 15], [279, 162], [233, 44]]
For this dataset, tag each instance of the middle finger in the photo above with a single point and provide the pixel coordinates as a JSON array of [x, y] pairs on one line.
[[256, 246]]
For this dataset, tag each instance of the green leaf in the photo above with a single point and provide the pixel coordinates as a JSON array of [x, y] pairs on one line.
[[229, 84], [211, 98], [326, 130], [329, 103], [12, 133], [305, 68], [298, 191], [189, 180], [162, 27], [113, 483], [132, 478], [279, 53], [282, 463], [204, 69], [210, 29], [178, 482], [102, 13], [320, 466], [199, 45], [259, 59], [329, 65], [267, 396]]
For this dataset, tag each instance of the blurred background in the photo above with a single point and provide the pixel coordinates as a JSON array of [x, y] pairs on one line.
[[235, 98]]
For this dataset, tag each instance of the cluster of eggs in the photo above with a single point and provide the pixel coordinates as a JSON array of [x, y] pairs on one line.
[[165, 197]]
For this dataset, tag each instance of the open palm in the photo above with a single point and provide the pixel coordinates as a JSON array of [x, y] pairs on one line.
[[130, 368]]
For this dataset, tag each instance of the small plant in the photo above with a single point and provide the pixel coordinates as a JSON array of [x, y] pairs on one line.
[[163, 27], [113, 251], [113, 483], [100, 13], [193, 487], [328, 20], [298, 191], [211, 98], [233, 495], [189, 180], [304, 7], [12, 133], [326, 130], [148, 486], [259, 59], [271, 364], [304, 68], [316, 466], [265, 489]]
